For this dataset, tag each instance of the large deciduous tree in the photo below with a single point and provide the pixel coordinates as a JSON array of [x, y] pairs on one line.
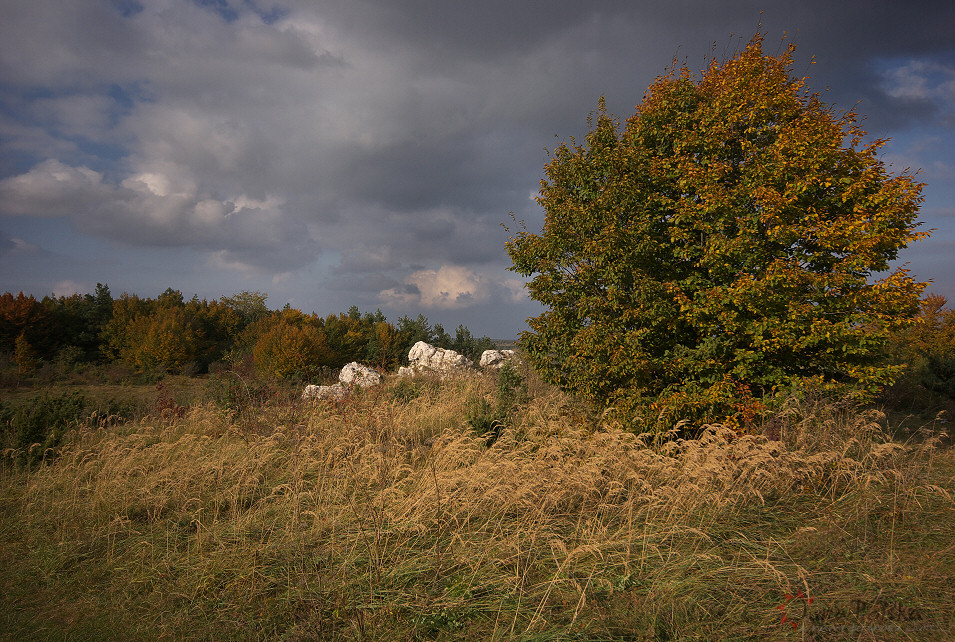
[[733, 239]]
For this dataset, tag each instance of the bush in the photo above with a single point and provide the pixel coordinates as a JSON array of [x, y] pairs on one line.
[[405, 390], [36, 427], [33, 430], [489, 420]]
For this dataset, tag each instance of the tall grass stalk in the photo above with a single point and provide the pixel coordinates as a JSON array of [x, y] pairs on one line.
[[386, 516]]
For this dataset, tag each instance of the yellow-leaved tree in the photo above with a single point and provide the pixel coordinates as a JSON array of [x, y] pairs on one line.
[[292, 347], [164, 340]]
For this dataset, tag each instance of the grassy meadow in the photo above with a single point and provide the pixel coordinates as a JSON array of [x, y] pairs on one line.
[[388, 517]]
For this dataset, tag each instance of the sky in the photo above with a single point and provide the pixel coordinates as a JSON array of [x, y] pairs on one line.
[[333, 153]]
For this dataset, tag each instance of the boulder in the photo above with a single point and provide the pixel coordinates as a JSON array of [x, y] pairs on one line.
[[497, 358], [425, 357], [362, 376], [354, 375]]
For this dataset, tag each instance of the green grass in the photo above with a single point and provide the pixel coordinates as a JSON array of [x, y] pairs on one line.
[[386, 517], [140, 396]]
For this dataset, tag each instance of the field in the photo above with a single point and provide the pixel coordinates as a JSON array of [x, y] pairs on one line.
[[387, 517]]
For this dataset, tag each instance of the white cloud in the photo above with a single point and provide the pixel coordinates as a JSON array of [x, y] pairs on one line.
[[153, 209], [53, 188], [69, 288], [516, 290], [921, 80], [449, 287], [907, 81], [453, 287], [149, 183]]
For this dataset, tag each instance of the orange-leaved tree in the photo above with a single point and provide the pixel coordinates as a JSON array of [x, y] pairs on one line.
[[725, 245], [25, 315]]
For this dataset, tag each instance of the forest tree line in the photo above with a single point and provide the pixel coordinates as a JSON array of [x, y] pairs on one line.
[[172, 334]]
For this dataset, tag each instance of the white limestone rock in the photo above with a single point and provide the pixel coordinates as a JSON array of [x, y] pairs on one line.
[[424, 356], [497, 358], [352, 376], [358, 375]]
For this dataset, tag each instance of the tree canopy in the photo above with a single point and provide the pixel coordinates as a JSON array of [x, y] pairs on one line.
[[172, 334], [730, 241]]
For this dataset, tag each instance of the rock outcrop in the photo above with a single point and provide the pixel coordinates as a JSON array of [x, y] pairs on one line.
[[497, 358], [352, 376], [359, 375], [424, 357]]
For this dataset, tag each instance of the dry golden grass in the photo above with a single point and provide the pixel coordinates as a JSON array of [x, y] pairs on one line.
[[384, 519]]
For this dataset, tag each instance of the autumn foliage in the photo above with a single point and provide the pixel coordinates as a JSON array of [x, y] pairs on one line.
[[171, 334], [928, 350], [292, 347], [725, 244]]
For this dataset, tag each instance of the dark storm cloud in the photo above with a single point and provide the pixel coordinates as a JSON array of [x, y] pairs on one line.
[[488, 29], [420, 175]]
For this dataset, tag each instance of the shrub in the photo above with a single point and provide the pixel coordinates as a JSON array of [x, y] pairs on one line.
[[33, 428], [405, 390], [490, 419]]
